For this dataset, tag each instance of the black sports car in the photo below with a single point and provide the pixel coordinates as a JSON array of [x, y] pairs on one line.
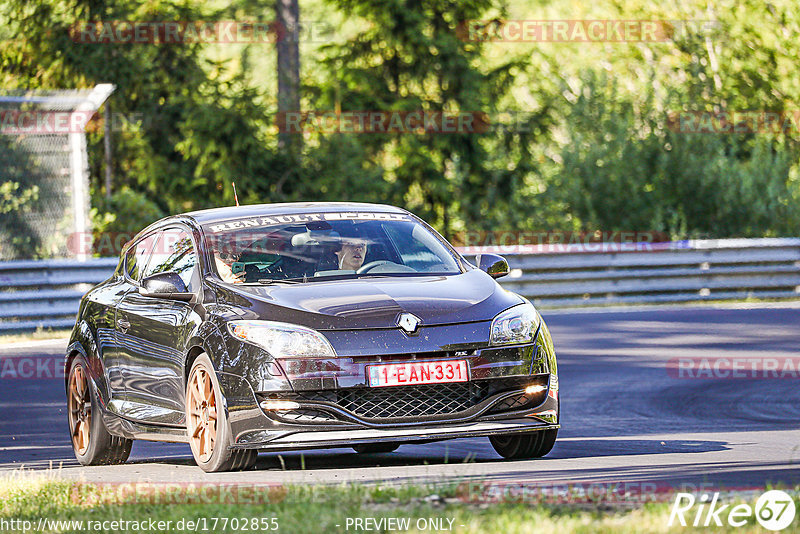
[[297, 326]]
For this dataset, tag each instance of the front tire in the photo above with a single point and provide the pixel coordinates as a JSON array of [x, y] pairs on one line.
[[207, 423], [91, 442], [520, 446], [374, 448]]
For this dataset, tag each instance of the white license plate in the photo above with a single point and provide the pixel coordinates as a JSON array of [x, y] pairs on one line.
[[409, 373]]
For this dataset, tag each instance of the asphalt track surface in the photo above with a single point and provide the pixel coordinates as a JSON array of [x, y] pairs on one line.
[[626, 416]]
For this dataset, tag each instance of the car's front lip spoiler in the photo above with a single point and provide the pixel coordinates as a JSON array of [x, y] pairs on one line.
[[348, 438]]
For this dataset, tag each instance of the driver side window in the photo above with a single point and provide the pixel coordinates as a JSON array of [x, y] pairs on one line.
[[137, 256], [174, 252]]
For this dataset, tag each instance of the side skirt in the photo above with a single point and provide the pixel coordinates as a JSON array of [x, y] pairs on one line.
[[119, 426]]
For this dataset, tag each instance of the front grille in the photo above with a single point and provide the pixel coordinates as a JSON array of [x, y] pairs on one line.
[[412, 401], [518, 402], [404, 401]]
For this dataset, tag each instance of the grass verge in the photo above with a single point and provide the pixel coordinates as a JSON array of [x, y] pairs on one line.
[[298, 509], [39, 335]]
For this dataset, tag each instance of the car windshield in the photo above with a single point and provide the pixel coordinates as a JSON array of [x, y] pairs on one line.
[[319, 246]]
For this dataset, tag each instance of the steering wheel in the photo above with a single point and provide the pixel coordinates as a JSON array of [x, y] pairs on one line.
[[260, 273], [371, 265]]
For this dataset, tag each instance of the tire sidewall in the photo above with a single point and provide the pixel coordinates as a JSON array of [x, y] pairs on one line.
[[221, 453], [525, 445], [99, 438]]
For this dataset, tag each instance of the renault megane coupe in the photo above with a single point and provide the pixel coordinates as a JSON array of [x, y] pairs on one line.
[[306, 325]]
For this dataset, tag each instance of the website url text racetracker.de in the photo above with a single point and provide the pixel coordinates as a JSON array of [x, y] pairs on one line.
[[198, 524]]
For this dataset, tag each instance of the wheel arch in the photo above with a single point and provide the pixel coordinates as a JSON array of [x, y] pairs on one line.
[[72, 353], [94, 366], [207, 339], [191, 355]]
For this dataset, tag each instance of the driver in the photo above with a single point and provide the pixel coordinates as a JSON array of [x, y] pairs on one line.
[[224, 262], [351, 255]]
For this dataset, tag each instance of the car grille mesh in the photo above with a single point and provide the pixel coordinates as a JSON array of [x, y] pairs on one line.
[[412, 401], [405, 401], [306, 416], [517, 402]]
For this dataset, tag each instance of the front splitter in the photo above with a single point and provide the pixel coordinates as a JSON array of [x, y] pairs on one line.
[[348, 438]]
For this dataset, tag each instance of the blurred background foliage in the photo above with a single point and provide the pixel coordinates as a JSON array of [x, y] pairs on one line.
[[588, 146]]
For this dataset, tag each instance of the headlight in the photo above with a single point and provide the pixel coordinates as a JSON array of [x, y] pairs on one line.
[[515, 325], [282, 340]]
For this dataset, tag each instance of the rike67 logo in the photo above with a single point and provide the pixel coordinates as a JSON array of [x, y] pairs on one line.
[[774, 510]]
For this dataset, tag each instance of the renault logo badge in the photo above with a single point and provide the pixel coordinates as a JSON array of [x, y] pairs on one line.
[[408, 322]]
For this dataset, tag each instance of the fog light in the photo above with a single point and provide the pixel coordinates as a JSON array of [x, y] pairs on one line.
[[530, 390], [279, 405]]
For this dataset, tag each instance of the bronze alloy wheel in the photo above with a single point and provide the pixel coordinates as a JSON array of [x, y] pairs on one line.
[[80, 409], [91, 441], [207, 424], [201, 406]]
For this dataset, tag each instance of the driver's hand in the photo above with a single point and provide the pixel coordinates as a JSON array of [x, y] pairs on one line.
[[226, 273]]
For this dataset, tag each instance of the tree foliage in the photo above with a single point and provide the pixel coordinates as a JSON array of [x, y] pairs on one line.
[[585, 144]]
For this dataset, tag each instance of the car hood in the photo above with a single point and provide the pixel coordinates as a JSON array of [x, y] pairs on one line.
[[370, 303]]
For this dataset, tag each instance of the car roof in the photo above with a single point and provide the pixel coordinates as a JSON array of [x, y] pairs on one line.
[[214, 215]]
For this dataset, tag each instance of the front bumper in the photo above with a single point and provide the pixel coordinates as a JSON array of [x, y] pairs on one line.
[[318, 439], [500, 413]]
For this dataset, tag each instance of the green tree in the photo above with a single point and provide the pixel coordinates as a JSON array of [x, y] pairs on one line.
[[412, 57], [622, 169], [191, 125]]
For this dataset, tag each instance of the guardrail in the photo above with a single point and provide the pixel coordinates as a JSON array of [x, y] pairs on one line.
[[45, 294], [597, 274]]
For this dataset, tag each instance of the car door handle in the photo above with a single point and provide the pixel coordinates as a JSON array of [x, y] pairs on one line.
[[123, 325]]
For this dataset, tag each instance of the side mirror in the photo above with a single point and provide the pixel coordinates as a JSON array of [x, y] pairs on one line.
[[165, 286], [492, 264]]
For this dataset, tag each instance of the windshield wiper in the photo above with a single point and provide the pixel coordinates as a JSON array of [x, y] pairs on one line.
[[270, 281]]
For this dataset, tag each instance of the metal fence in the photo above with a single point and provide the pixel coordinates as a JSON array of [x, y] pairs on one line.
[[647, 273], [43, 157], [45, 294]]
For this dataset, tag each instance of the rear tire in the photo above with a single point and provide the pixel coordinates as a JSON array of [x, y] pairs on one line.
[[207, 422], [375, 448], [519, 446], [91, 442]]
